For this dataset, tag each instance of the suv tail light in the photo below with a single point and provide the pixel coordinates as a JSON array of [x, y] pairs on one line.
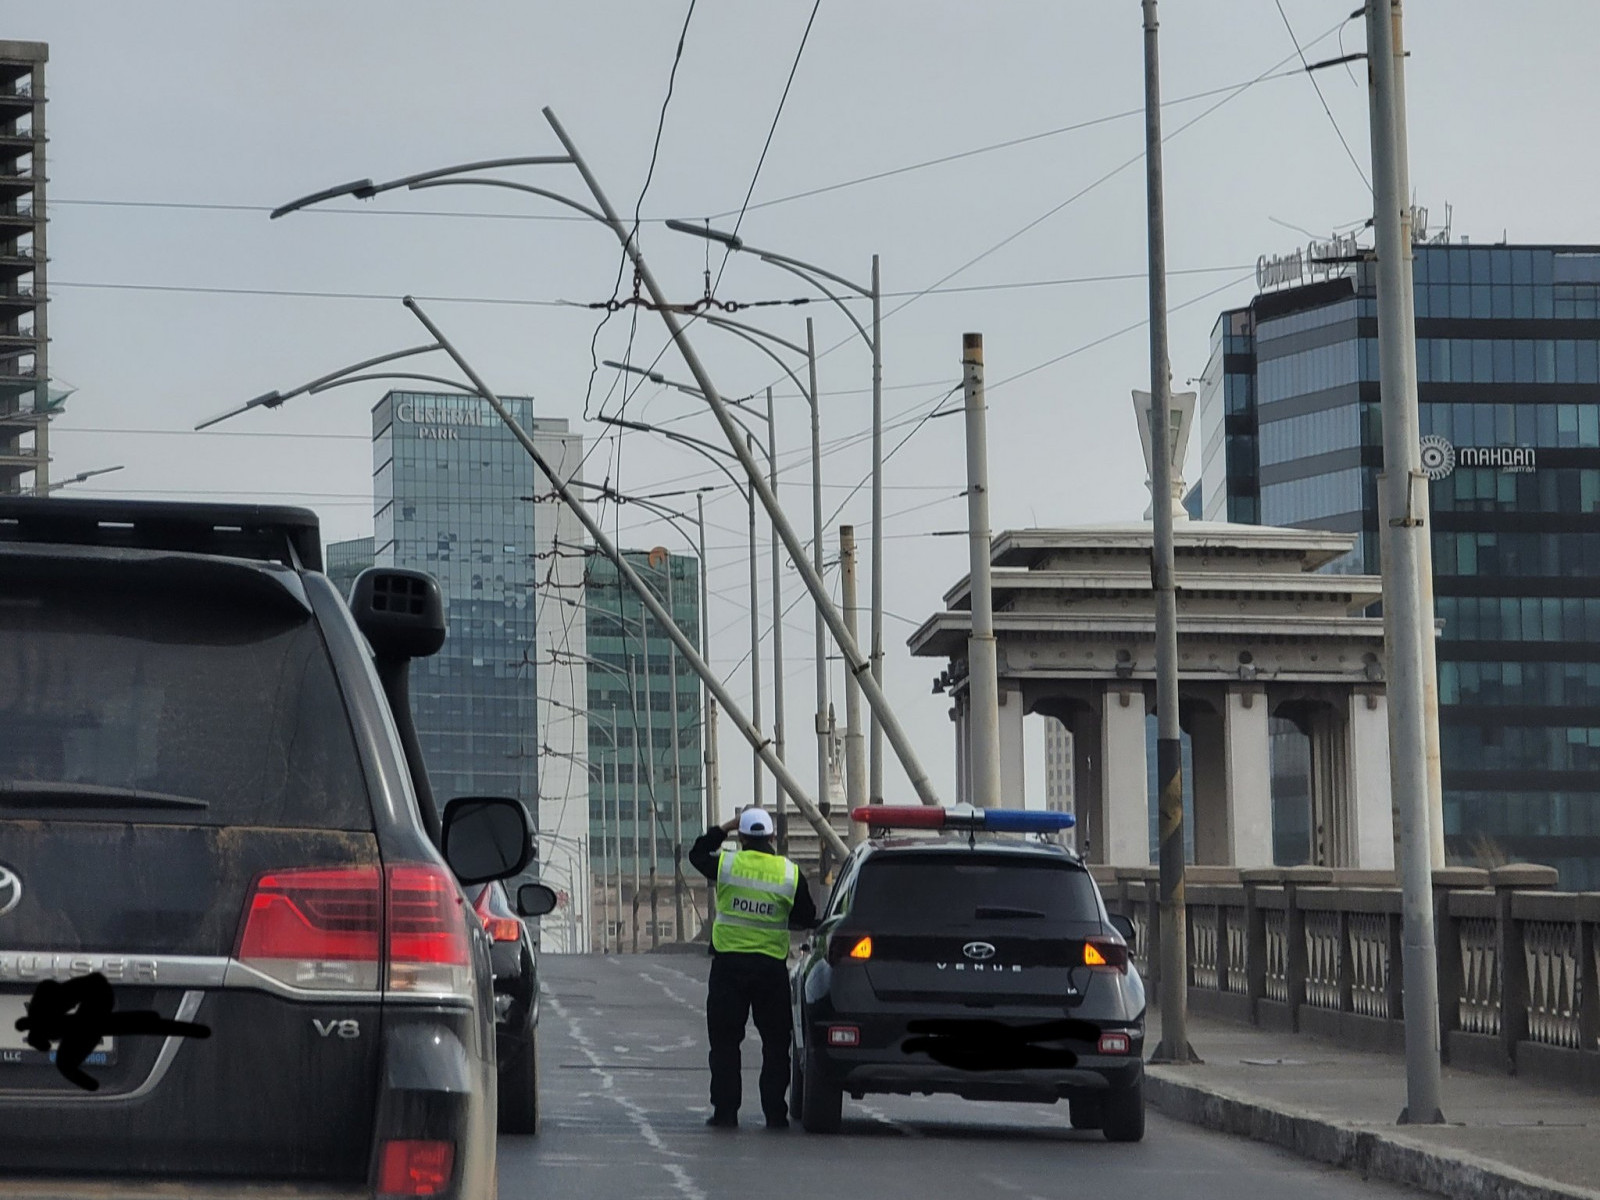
[[502, 926], [1115, 1043], [1104, 954], [319, 928], [429, 954], [849, 945], [415, 1168]]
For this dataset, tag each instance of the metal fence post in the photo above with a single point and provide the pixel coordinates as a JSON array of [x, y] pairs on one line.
[[1255, 924], [1447, 943]]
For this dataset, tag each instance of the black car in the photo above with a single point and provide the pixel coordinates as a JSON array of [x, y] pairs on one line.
[[974, 965], [212, 811], [516, 999]]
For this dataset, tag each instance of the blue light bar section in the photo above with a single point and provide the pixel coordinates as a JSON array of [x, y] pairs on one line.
[[1017, 820]]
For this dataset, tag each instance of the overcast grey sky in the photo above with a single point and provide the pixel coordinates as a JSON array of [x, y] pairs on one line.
[[253, 102]]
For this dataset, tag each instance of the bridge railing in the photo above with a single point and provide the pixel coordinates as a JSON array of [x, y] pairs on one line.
[[1317, 950]]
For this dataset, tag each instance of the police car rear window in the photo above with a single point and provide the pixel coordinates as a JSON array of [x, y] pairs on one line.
[[943, 891]]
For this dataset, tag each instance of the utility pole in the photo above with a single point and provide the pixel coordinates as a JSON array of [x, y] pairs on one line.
[[824, 795], [781, 818], [755, 642], [650, 778], [605, 861], [677, 777], [711, 810], [855, 770], [633, 693], [1404, 507], [1174, 998], [876, 783], [983, 682]]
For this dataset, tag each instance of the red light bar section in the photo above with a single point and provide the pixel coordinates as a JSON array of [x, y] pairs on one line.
[[899, 816]]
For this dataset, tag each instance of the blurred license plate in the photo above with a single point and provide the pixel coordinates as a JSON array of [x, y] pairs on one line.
[[14, 1048]]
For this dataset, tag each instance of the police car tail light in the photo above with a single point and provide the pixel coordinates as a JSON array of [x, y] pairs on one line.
[[318, 928], [1102, 954], [961, 818], [844, 1035], [849, 946], [1115, 1043], [429, 954]]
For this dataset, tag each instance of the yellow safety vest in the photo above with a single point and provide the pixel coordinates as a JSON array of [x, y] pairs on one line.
[[755, 892]]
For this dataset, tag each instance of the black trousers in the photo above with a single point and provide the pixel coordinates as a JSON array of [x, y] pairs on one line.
[[742, 984]]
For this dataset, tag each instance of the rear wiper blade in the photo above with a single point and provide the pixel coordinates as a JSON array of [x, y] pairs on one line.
[[1029, 914], [25, 793]]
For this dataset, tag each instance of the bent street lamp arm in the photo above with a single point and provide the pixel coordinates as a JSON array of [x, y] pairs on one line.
[[365, 189], [273, 399]]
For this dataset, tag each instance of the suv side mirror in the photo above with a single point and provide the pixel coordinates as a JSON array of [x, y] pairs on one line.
[[1125, 927], [535, 899], [486, 838], [399, 612]]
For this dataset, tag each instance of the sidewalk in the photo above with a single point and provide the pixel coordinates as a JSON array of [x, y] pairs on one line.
[[1505, 1138]]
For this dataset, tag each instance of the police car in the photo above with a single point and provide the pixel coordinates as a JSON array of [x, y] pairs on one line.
[[954, 959]]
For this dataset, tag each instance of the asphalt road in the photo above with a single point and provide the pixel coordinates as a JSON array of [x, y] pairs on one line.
[[623, 1079]]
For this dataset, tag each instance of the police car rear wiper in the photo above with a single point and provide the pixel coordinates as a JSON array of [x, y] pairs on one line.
[[27, 793], [1024, 914]]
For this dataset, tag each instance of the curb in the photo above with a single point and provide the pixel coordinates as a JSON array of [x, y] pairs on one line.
[[1375, 1155]]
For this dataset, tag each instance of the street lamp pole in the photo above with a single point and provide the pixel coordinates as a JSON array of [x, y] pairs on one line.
[[781, 817], [813, 275]]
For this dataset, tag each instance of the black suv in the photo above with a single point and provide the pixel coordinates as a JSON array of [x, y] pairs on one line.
[[972, 965], [211, 798]]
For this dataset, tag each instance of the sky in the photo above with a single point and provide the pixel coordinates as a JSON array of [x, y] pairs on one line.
[[175, 124]]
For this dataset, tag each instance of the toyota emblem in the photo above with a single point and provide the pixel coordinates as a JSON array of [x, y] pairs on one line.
[[978, 950], [10, 890]]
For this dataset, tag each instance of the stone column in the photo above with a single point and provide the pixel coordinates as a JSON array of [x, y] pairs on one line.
[[1013, 763], [1088, 799], [1213, 841], [958, 714], [1370, 806], [1124, 834], [1249, 775]]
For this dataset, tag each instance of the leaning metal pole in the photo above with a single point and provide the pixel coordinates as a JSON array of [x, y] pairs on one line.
[[677, 780], [855, 662], [875, 746], [711, 811], [631, 577], [855, 767], [824, 789], [1404, 491], [755, 650], [1174, 986]]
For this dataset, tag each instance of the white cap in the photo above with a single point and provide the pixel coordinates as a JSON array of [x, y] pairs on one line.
[[754, 822]]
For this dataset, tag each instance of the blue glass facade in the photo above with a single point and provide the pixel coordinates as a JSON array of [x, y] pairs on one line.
[[452, 496], [1508, 364]]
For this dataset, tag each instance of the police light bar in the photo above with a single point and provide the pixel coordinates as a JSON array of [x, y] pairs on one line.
[[962, 817]]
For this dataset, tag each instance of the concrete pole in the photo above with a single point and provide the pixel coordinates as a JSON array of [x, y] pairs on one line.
[[677, 779], [1430, 675], [649, 757], [983, 681], [824, 795], [1174, 987], [710, 810], [780, 816], [755, 648], [855, 769], [616, 788], [633, 693], [875, 784], [1408, 628], [605, 864]]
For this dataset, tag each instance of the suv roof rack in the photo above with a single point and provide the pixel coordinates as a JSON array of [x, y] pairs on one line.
[[271, 533]]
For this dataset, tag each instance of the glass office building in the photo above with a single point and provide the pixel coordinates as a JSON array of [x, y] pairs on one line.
[[1508, 366], [634, 670], [452, 496], [346, 560]]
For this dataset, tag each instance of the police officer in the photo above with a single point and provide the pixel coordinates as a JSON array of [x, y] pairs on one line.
[[760, 897]]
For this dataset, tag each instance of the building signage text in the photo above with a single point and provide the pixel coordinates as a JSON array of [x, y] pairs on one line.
[[1440, 458], [436, 420], [1310, 263]]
